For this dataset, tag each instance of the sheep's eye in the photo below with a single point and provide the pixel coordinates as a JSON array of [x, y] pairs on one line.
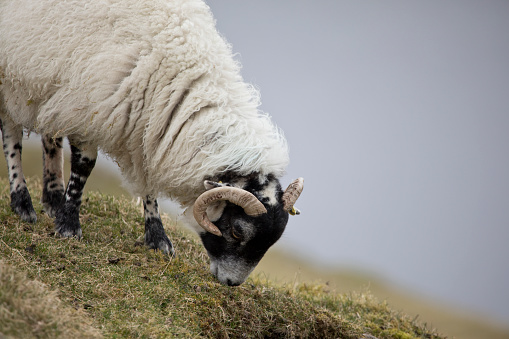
[[236, 234]]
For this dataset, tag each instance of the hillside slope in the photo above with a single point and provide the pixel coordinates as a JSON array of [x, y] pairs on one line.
[[121, 289], [452, 321]]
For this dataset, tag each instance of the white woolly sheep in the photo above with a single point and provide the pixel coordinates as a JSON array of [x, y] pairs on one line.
[[153, 85]]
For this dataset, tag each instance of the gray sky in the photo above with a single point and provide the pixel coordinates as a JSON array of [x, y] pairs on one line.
[[397, 115]]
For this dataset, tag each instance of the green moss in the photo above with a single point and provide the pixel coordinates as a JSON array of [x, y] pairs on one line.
[[396, 334]]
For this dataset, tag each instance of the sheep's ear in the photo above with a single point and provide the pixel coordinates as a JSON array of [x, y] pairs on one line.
[[213, 184]]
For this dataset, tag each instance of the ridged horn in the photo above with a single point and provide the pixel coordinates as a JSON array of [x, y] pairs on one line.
[[251, 205], [292, 193]]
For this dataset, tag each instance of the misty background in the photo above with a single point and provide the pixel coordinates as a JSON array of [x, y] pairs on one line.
[[397, 116]]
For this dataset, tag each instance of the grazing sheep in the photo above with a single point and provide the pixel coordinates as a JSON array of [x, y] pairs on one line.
[[153, 85]]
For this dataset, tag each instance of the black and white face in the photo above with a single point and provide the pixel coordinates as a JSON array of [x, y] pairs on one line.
[[245, 239]]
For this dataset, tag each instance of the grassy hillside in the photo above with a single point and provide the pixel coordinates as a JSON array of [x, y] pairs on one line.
[[110, 285], [452, 322]]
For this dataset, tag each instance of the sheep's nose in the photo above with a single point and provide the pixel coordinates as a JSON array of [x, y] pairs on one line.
[[231, 283]]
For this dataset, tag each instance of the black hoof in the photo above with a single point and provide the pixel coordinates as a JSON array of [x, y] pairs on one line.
[[68, 233], [67, 222], [155, 238], [51, 202], [21, 204], [164, 245]]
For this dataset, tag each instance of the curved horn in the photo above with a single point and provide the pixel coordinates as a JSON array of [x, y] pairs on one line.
[[251, 205], [292, 193]]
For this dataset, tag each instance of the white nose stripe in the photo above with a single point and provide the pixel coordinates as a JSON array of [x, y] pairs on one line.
[[230, 271]]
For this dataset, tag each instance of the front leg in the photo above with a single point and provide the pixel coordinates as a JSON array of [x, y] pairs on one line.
[[67, 222], [21, 203], [53, 174], [155, 237]]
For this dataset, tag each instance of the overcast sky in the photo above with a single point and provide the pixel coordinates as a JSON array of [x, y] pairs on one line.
[[397, 115]]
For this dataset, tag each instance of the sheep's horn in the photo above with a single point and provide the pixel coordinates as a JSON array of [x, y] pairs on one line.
[[292, 193], [251, 205]]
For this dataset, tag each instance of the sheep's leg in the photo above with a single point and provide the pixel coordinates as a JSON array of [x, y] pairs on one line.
[[53, 174], [21, 203], [155, 237], [67, 222]]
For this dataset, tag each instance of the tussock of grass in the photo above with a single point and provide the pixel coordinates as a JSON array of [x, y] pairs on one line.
[[125, 290], [28, 309]]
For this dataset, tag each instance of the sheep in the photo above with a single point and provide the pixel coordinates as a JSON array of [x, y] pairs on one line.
[[154, 86]]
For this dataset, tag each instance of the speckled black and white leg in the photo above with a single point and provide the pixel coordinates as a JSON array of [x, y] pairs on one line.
[[21, 203], [53, 174], [155, 237], [67, 222]]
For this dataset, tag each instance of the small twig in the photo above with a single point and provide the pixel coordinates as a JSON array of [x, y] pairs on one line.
[[224, 314], [171, 259], [168, 264]]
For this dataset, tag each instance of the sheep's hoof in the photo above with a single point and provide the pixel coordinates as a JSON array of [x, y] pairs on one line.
[[21, 204], [155, 238], [50, 209], [51, 202], [69, 233], [27, 216], [167, 247], [67, 222], [164, 245]]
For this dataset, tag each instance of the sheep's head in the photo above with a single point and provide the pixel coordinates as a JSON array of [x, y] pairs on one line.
[[241, 221]]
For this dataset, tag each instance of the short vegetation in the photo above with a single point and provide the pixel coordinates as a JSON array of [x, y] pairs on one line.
[[110, 285]]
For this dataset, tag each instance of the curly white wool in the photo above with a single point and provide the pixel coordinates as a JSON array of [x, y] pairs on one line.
[[151, 83]]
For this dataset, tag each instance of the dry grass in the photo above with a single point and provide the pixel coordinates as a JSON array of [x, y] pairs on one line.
[[28, 309], [123, 290]]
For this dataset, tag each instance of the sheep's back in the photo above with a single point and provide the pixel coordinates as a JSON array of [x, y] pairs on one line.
[[60, 56]]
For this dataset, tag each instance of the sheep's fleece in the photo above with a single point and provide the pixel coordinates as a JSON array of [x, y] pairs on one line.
[[149, 82]]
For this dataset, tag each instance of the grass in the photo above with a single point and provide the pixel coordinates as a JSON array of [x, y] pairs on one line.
[[109, 284], [28, 309], [452, 322]]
